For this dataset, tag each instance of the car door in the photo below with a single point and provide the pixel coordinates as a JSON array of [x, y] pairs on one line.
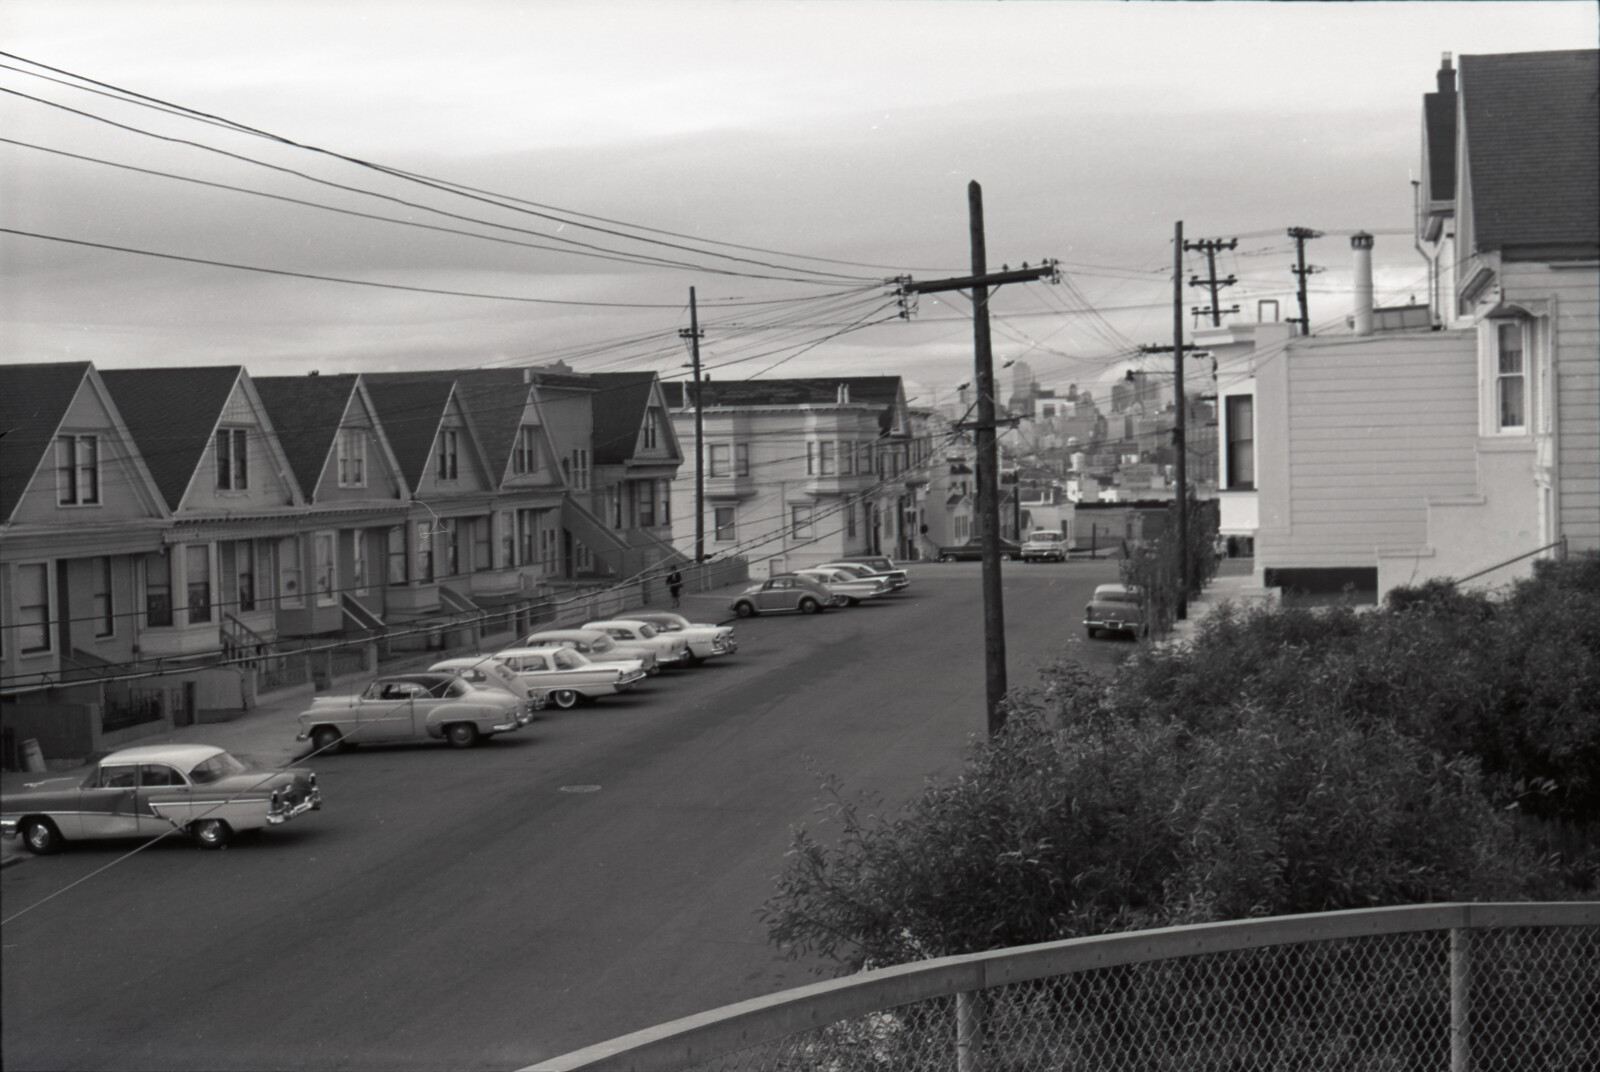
[[391, 715], [776, 595], [108, 802], [164, 799]]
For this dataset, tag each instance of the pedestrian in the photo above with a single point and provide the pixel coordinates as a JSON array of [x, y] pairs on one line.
[[675, 585]]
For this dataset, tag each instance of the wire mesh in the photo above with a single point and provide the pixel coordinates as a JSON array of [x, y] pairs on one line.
[[1522, 998]]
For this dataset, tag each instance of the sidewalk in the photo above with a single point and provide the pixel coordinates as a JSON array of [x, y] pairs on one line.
[[1234, 583]]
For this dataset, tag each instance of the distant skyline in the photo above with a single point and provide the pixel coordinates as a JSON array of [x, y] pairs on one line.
[[830, 143]]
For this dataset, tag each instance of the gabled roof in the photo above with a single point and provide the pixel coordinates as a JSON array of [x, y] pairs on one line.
[[619, 407], [411, 411], [305, 413], [171, 413], [1531, 121], [495, 399], [33, 402]]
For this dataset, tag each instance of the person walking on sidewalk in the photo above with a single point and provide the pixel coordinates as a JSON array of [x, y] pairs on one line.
[[675, 585]]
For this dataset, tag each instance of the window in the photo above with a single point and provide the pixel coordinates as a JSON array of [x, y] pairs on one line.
[[159, 774], [719, 459], [449, 531], [395, 552], [352, 452], [646, 492], [525, 459], [864, 458], [448, 441], [358, 562], [550, 550], [723, 524], [800, 522], [78, 470], [741, 459], [327, 589], [508, 539], [482, 544], [291, 591], [580, 469], [33, 607], [1511, 378], [811, 459], [652, 424], [616, 506], [197, 578], [157, 589], [424, 551], [850, 519], [527, 537], [105, 618], [236, 562], [1241, 454], [664, 499], [825, 458], [233, 459]]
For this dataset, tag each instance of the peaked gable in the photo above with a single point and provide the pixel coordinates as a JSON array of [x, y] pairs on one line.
[[172, 414], [307, 411], [33, 401], [619, 412]]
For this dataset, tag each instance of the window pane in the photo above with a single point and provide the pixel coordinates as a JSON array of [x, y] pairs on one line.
[[1512, 414], [1510, 346], [105, 622], [88, 469], [33, 607], [198, 574]]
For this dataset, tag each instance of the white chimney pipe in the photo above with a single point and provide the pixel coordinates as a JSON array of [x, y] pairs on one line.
[[1361, 245]]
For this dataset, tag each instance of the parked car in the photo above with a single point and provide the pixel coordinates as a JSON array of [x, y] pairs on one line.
[[883, 564], [705, 641], [566, 675], [599, 646], [972, 550], [670, 651], [1116, 608], [896, 579], [152, 789], [413, 707], [844, 583], [785, 592], [487, 671], [1045, 545]]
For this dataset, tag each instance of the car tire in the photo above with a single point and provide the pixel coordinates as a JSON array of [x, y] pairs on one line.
[[1005, 556], [40, 836], [325, 740], [211, 833], [1092, 631], [461, 734], [809, 606], [566, 699], [947, 558], [744, 610]]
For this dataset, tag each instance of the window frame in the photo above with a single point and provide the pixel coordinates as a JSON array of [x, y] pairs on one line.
[[802, 525], [102, 594], [525, 458], [449, 467], [45, 624], [725, 531], [1237, 443], [351, 451], [197, 592], [719, 461], [1501, 378], [73, 474], [231, 458]]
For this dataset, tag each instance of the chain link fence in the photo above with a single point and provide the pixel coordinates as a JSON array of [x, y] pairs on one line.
[[1517, 988]]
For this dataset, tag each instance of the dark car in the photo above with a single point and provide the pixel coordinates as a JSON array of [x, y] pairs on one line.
[[972, 550], [1116, 608]]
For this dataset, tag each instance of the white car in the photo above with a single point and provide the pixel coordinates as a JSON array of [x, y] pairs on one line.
[[872, 573], [847, 585], [628, 632], [598, 645], [1044, 545], [705, 641], [567, 677], [488, 672]]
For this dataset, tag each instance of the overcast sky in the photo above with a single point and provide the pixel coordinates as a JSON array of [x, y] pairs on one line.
[[834, 140]]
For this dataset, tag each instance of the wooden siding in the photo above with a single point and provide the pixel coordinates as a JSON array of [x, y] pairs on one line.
[[1374, 428]]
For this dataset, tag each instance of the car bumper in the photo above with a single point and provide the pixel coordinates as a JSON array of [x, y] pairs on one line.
[[1113, 625], [9, 827], [313, 802], [628, 681], [517, 723]]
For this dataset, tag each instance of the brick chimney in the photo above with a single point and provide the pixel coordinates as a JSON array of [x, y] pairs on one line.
[[1447, 75]]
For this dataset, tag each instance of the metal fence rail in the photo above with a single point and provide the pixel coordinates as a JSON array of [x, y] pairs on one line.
[[1492, 986]]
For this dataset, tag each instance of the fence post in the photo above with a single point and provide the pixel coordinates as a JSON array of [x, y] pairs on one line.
[[969, 1031], [1460, 999]]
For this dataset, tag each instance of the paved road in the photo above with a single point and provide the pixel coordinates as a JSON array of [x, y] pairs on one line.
[[594, 874]]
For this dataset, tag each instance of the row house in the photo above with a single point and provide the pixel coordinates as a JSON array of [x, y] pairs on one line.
[[161, 518], [801, 471]]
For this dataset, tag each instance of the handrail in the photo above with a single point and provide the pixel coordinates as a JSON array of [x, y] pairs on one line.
[[705, 1036]]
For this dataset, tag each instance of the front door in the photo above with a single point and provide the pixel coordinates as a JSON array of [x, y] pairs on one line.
[[108, 803], [164, 799], [388, 718]]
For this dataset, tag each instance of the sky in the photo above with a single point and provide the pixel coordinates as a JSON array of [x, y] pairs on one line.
[[585, 164]]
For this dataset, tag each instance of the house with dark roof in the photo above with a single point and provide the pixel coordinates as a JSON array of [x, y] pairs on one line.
[[1468, 450], [800, 471], [636, 460]]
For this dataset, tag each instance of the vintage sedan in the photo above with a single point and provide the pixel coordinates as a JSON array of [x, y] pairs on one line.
[[488, 672], [851, 587], [566, 675], [598, 646], [671, 651], [898, 578], [895, 581], [420, 706], [1116, 608], [785, 592], [972, 551], [153, 789], [705, 641]]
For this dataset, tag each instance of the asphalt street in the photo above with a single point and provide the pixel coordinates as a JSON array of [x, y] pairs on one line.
[[596, 873]]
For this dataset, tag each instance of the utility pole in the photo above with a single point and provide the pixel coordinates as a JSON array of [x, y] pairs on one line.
[[1210, 246], [1300, 234], [693, 335], [987, 444], [1179, 434]]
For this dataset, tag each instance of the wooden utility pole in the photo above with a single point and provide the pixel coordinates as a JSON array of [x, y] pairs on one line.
[[1210, 246], [1300, 234], [693, 335], [987, 444], [1179, 430]]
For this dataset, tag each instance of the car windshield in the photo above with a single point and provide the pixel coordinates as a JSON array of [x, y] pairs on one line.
[[217, 767]]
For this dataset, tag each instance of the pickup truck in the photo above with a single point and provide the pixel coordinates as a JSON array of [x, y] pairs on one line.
[[413, 707]]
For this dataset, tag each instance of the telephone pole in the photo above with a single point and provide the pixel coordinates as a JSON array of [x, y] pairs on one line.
[[987, 444], [693, 334], [1179, 432], [1300, 234], [1210, 246]]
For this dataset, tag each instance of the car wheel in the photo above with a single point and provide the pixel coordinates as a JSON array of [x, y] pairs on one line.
[[743, 610], [1091, 631], [566, 699], [947, 558], [211, 833], [461, 734], [41, 837], [809, 606], [1005, 556], [325, 740], [851, 601]]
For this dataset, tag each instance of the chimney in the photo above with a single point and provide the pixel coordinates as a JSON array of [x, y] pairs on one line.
[[1447, 75], [1361, 244]]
